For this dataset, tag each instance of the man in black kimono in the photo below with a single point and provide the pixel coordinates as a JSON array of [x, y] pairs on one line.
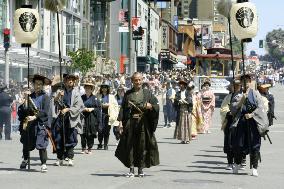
[[138, 116], [33, 117]]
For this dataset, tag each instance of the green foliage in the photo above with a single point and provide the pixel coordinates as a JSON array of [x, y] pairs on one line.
[[82, 60], [275, 44]]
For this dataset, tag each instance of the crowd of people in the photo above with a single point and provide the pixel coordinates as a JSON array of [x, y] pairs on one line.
[[55, 111]]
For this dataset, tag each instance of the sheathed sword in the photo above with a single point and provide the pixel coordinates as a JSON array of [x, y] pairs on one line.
[[136, 107], [266, 134]]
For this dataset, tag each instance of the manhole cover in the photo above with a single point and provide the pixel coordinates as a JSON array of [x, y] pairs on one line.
[[197, 181]]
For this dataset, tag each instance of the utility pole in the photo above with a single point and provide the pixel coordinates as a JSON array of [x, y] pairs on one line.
[[7, 76], [130, 62], [148, 29]]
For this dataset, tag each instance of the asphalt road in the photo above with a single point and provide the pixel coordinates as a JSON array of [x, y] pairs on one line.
[[200, 164]]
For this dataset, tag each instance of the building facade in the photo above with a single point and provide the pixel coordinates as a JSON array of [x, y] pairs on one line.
[[75, 23]]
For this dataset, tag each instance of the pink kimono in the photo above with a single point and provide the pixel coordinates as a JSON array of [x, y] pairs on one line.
[[207, 108]]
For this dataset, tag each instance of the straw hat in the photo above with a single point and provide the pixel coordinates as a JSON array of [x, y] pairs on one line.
[[88, 82]]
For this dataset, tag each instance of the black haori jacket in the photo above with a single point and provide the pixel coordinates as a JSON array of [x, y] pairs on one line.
[[149, 120]]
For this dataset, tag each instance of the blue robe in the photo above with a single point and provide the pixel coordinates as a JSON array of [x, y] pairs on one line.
[[35, 136], [92, 120]]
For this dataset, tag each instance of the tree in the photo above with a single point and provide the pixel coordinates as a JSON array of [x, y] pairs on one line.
[[82, 60], [275, 44]]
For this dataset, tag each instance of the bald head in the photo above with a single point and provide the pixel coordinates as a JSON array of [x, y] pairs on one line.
[[137, 80]]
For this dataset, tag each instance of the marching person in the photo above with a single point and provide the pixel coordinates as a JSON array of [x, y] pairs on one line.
[[183, 105], [119, 97], [69, 105], [208, 105], [226, 121], [138, 117], [263, 89], [5, 112], [33, 117], [110, 112], [249, 124], [92, 116], [170, 110]]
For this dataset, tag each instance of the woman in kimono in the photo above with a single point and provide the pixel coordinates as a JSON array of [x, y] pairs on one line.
[[119, 97], [197, 118], [208, 105], [183, 106], [92, 117]]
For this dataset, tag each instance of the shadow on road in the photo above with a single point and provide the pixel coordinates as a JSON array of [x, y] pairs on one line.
[[202, 171], [108, 175], [213, 151], [211, 162], [205, 167], [205, 155], [21, 170], [217, 146], [168, 142]]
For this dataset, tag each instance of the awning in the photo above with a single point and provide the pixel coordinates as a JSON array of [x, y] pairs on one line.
[[154, 61], [147, 60]]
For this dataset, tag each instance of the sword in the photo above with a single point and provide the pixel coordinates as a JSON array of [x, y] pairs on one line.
[[266, 134], [137, 108]]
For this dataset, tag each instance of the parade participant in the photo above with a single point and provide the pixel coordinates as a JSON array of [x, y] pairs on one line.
[[208, 105], [33, 117], [226, 121], [69, 104], [183, 106], [92, 116], [138, 116], [249, 124], [5, 112], [109, 115], [196, 118], [170, 111], [119, 97], [263, 89]]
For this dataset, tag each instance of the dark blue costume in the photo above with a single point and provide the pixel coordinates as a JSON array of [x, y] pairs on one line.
[[5, 113], [92, 121], [104, 128], [35, 135], [246, 138], [69, 133]]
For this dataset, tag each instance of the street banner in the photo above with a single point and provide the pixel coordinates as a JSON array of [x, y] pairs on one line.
[[137, 31], [123, 21]]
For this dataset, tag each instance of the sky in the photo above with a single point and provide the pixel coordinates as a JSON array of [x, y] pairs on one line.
[[271, 16]]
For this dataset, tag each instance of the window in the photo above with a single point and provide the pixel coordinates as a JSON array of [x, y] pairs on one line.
[[156, 24], [139, 12], [216, 19], [52, 31], [42, 29], [156, 47]]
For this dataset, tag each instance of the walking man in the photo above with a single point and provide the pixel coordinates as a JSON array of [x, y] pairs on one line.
[[138, 117]]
